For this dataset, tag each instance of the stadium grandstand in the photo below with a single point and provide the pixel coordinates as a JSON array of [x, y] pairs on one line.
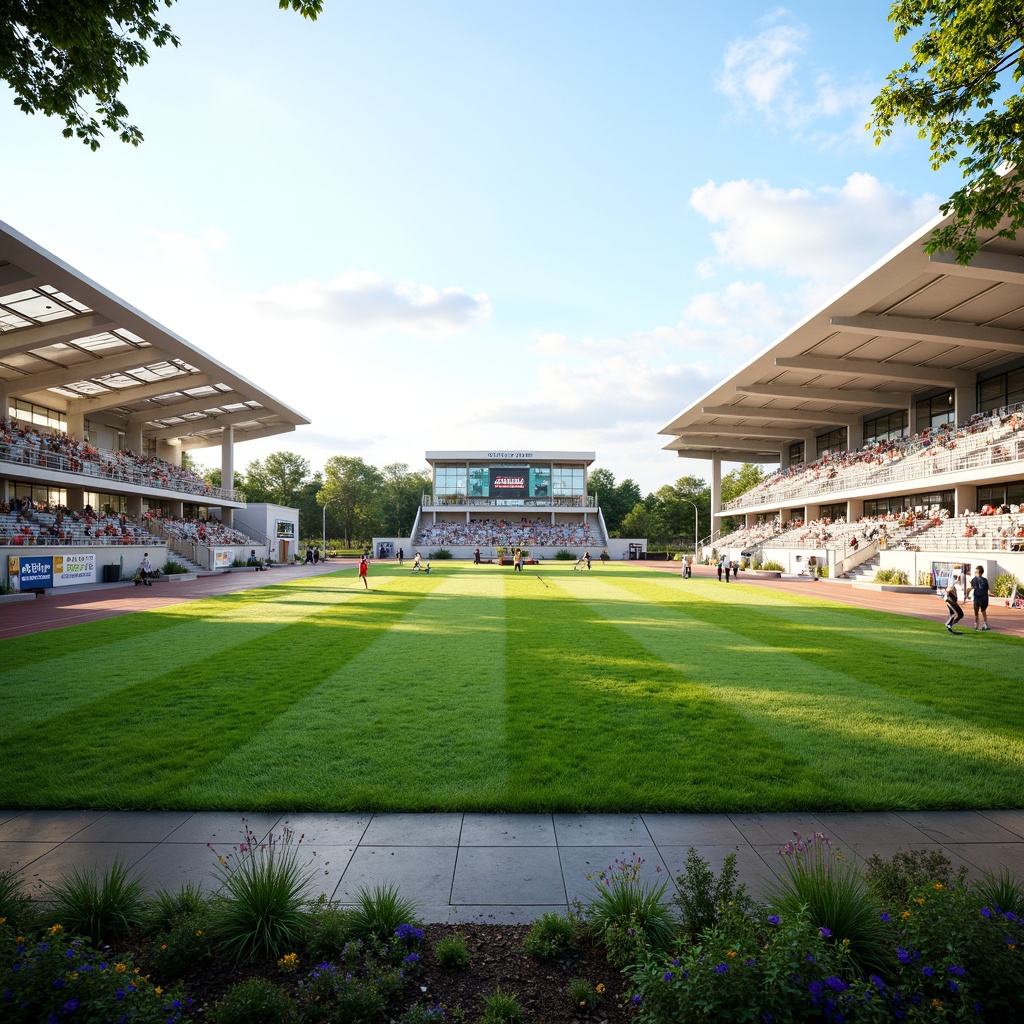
[[98, 405], [502, 500], [893, 421]]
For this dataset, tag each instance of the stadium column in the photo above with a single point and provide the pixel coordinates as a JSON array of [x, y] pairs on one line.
[[716, 489], [133, 438], [76, 424], [227, 469], [965, 499], [965, 403]]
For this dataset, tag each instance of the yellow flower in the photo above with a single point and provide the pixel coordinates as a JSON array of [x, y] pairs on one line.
[[583, 1002], [938, 885], [905, 914], [158, 991], [120, 968], [164, 946], [199, 931], [600, 989], [731, 952], [936, 1004], [920, 899], [56, 928]]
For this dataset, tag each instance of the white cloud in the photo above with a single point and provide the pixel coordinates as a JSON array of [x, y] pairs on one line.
[[370, 303], [767, 75], [824, 235]]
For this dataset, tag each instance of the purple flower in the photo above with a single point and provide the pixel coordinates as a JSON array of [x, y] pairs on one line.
[[816, 988], [773, 919], [667, 976], [953, 986], [825, 933], [810, 958], [956, 969], [985, 912], [750, 962], [836, 984], [412, 958], [721, 968], [70, 1006], [766, 1018], [636, 1000], [902, 955], [877, 982], [927, 972], [119, 994], [885, 917]]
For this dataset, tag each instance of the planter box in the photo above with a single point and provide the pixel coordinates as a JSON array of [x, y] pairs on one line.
[[178, 577], [14, 598], [763, 574]]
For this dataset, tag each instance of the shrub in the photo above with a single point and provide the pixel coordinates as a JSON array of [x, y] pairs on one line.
[[564, 556], [379, 912], [452, 952], [181, 950], [56, 977], [891, 881], [254, 1000], [836, 898], [627, 913], [329, 928], [585, 995], [770, 565], [1003, 584], [894, 577], [439, 555], [356, 990], [173, 568], [420, 1014], [259, 911], [823, 572], [550, 935], [100, 908], [701, 898], [501, 1008]]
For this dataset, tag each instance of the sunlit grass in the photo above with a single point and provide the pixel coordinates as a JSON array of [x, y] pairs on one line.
[[474, 688]]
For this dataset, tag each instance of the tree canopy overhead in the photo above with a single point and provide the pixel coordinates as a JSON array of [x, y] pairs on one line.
[[70, 58], [964, 57]]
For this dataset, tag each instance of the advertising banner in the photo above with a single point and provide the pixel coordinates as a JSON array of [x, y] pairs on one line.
[[35, 572], [223, 558], [479, 482], [285, 529], [69, 570], [540, 482]]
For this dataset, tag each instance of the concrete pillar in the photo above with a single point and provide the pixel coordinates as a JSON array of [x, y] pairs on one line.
[[912, 417], [854, 509], [716, 489], [965, 400], [227, 469], [784, 457], [5, 402], [133, 438], [965, 498], [76, 498], [169, 452], [133, 506], [76, 425]]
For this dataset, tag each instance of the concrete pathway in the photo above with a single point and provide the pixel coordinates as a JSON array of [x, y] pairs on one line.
[[469, 867], [499, 869]]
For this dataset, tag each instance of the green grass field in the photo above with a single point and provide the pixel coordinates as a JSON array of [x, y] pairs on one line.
[[473, 688]]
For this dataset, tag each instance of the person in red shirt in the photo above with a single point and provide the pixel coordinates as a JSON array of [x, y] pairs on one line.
[[364, 567]]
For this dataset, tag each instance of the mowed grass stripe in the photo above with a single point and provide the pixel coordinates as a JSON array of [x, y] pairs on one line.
[[139, 745], [880, 749], [598, 722], [415, 720], [908, 657], [145, 646]]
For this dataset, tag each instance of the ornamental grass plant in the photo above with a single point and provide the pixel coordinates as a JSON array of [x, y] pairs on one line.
[[101, 906], [259, 909]]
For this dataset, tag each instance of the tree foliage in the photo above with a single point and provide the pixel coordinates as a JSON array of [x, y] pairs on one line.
[[70, 58], [351, 491], [962, 57]]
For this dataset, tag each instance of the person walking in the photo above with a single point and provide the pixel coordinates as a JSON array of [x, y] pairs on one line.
[[401, 556], [956, 613], [719, 570], [726, 565], [979, 595], [364, 567], [145, 568], [517, 561]]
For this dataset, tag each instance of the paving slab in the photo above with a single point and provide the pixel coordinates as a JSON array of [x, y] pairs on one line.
[[132, 827], [328, 866], [751, 868], [47, 826], [601, 830], [861, 833], [170, 865], [67, 858], [413, 830], [508, 875], [959, 827], [1012, 821], [508, 830], [327, 829], [766, 829], [224, 829], [422, 874], [991, 857], [579, 861], [692, 829], [15, 856]]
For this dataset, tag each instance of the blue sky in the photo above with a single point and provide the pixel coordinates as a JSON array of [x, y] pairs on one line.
[[460, 225]]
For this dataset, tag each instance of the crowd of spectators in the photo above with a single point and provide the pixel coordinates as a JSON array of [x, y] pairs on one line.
[[508, 533], [23, 522], [985, 430], [210, 532], [58, 451]]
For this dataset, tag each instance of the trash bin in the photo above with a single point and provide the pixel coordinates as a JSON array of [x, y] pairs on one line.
[[112, 574]]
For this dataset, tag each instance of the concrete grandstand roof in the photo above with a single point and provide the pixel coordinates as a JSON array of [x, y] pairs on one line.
[[910, 325], [68, 344]]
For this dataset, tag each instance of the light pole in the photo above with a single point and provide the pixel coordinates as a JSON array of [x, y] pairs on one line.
[[323, 531], [696, 528]]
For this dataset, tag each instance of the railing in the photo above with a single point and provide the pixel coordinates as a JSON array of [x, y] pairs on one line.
[[108, 467], [907, 469], [463, 501]]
